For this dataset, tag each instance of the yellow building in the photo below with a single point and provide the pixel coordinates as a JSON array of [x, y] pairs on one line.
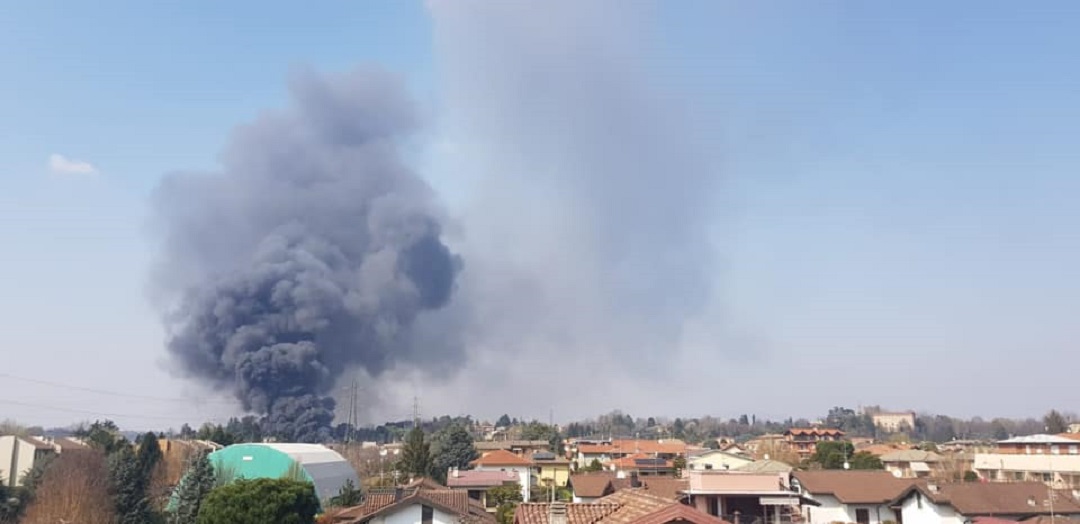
[[550, 469]]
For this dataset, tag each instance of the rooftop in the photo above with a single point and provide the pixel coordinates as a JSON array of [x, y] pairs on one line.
[[501, 457], [480, 479], [853, 487], [996, 498]]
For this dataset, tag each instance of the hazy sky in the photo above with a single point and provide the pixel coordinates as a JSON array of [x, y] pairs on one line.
[[682, 208]]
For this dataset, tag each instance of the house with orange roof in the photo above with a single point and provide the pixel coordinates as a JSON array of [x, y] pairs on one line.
[[642, 465], [606, 451], [503, 460]]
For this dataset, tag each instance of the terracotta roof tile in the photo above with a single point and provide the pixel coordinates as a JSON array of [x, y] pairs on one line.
[[679, 513], [853, 487], [633, 504], [501, 457], [533, 513]]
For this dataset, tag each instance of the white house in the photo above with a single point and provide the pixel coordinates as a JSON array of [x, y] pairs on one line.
[[18, 456], [864, 497], [717, 460], [502, 460], [422, 502], [962, 502]]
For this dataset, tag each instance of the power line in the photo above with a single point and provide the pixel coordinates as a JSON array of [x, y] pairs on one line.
[[112, 393], [85, 412]]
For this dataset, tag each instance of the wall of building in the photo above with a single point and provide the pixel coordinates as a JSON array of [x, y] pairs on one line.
[[412, 515], [1062, 469], [16, 459], [557, 473], [832, 510], [918, 510], [717, 461], [524, 474]]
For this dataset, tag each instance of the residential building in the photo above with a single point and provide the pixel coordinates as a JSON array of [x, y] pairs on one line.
[[641, 465], [1074, 427], [766, 466], [863, 497], [421, 502], [912, 463], [716, 459], [503, 460], [766, 446], [894, 422], [550, 469], [606, 451], [623, 507], [477, 483], [743, 497], [18, 455], [964, 502], [588, 487], [1052, 459], [517, 447], [804, 440]]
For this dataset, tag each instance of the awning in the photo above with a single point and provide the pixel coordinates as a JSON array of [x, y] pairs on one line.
[[779, 501], [920, 467]]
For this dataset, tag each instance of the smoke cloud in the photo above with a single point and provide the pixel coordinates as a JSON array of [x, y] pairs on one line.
[[589, 192], [314, 250]]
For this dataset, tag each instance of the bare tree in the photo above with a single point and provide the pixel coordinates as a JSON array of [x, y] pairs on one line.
[[75, 488]]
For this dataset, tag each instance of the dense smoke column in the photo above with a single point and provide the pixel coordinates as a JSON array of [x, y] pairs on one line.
[[313, 250]]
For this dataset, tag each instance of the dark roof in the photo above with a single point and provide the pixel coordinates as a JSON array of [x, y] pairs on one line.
[[853, 487], [592, 485], [533, 513], [995, 498]]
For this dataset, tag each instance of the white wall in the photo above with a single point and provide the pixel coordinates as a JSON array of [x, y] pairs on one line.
[[929, 513], [831, 510], [717, 461], [413, 515], [16, 458], [524, 477]]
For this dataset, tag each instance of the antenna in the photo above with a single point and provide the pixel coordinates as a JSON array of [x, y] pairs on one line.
[[416, 411]]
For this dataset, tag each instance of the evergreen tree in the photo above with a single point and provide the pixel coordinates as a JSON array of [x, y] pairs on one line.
[[416, 456], [197, 482], [129, 488], [1055, 422], [452, 447], [503, 422], [260, 501], [148, 456]]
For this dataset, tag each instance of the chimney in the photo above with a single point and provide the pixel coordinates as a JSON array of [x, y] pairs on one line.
[[557, 513], [635, 482], [398, 493]]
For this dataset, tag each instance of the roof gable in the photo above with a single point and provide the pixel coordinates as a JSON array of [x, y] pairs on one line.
[[995, 498], [853, 487]]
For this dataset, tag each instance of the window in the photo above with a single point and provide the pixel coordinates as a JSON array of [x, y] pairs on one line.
[[1018, 475], [1055, 449], [708, 466], [1047, 477], [862, 516], [1027, 449], [427, 514], [1073, 449]]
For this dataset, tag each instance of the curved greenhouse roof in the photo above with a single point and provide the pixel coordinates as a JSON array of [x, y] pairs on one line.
[[320, 465]]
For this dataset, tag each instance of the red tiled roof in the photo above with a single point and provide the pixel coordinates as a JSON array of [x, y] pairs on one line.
[[533, 513], [381, 501], [853, 487], [679, 513], [633, 504], [628, 462], [501, 457]]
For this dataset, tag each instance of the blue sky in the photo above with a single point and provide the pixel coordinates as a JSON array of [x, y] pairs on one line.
[[897, 216]]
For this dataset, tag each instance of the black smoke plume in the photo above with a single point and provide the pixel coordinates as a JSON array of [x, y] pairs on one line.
[[312, 251]]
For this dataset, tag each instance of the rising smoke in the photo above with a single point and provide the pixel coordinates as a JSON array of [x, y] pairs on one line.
[[313, 251]]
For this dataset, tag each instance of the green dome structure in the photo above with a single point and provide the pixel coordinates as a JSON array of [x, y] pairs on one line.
[[318, 464]]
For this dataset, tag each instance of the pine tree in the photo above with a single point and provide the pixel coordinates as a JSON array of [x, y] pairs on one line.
[[129, 488], [197, 482], [416, 456], [347, 496]]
